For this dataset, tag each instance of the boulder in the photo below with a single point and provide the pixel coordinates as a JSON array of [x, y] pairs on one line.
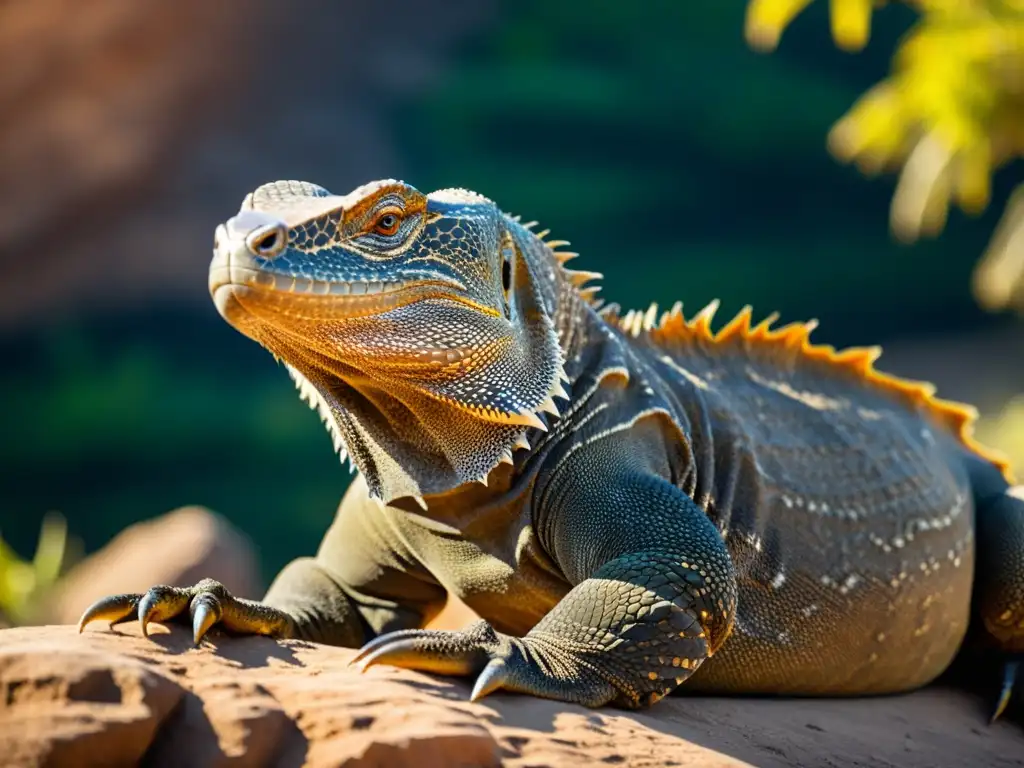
[[178, 548], [112, 697]]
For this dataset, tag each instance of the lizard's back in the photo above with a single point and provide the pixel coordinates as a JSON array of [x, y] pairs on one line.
[[842, 500]]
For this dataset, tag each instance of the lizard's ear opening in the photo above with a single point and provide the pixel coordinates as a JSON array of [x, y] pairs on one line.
[[522, 369], [508, 255]]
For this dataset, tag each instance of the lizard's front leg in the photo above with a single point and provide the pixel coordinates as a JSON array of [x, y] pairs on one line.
[[655, 596], [359, 584]]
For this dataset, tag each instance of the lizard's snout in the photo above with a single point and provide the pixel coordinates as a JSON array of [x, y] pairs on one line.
[[263, 236], [239, 245]]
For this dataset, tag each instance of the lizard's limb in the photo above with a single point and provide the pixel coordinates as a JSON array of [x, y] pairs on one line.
[[655, 596], [999, 567], [359, 584], [999, 589]]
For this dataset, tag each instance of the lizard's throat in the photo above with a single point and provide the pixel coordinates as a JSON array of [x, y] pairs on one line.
[[404, 442]]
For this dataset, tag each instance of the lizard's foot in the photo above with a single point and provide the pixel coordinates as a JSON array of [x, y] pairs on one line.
[[208, 603], [540, 664], [530, 665], [1011, 669]]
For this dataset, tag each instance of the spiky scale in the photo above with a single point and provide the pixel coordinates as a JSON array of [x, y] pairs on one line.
[[580, 277]]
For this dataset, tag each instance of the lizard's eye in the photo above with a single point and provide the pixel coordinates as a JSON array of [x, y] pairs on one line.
[[268, 243], [387, 224]]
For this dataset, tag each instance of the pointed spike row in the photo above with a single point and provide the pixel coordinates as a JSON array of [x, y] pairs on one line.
[[506, 458], [610, 312], [558, 243], [701, 322], [861, 360], [792, 334], [634, 323], [531, 419], [650, 316], [516, 218], [764, 328], [559, 391], [957, 417], [420, 501], [580, 277], [529, 224], [543, 233], [548, 406], [738, 327], [521, 442], [565, 256]]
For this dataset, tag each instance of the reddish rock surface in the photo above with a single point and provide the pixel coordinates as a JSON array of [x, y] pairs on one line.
[[132, 126], [113, 697]]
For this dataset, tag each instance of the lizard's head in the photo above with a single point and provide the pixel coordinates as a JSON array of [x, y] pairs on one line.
[[417, 324]]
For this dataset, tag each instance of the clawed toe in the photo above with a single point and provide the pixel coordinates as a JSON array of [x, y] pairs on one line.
[[115, 609], [500, 662], [208, 604], [446, 653], [1010, 671]]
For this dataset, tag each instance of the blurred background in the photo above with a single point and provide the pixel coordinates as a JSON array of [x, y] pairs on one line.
[[684, 149]]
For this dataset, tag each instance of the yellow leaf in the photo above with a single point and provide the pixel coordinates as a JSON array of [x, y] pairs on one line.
[[766, 19], [851, 23]]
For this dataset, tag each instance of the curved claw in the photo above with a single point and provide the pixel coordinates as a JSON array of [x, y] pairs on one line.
[[381, 641], [1009, 677], [425, 656], [494, 676], [147, 610], [115, 609], [206, 612]]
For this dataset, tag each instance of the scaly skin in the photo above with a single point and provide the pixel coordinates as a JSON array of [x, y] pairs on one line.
[[619, 498]]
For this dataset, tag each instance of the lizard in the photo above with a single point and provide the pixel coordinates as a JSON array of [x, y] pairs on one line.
[[628, 501]]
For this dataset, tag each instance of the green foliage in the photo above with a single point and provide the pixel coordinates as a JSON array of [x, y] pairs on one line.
[[1005, 431], [25, 583], [948, 117], [683, 166], [114, 427]]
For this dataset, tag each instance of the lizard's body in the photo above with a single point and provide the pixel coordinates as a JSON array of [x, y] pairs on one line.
[[691, 491]]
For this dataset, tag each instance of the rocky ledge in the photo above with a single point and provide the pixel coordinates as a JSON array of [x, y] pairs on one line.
[[116, 698]]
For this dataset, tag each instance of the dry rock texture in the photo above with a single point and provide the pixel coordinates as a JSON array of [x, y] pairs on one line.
[[109, 698], [178, 548]]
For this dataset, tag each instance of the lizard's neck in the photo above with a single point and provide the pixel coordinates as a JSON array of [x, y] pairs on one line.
[[432, 435]]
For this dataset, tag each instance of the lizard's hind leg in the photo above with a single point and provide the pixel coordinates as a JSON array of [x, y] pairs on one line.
[[999, 574]]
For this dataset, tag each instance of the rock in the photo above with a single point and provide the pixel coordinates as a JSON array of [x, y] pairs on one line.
[[111, 697], [178, 548]]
